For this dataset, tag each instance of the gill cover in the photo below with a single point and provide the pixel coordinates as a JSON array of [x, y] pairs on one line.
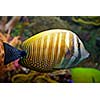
[[11, 53]]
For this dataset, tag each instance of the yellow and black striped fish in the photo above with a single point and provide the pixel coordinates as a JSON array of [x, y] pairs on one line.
[[48, 51]]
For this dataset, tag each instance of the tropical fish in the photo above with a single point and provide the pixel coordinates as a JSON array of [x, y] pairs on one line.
[[48, 51]]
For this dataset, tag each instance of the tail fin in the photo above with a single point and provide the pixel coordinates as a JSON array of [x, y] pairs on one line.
[[11, 53]]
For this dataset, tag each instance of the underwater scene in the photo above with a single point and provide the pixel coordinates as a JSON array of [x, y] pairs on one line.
[[50, 49]]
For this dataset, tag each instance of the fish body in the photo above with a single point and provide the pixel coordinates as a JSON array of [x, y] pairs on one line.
[[51, 50]]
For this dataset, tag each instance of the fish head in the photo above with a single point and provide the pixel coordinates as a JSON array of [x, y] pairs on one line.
[[81, 54], [84, 53]]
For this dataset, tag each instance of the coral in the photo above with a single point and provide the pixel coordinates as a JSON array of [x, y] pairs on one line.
[[88, 20], [32, 77], [62, 76], [5, 69], [7, 25]]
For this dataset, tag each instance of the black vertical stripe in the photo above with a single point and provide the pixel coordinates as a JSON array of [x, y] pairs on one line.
[[79, 53], [79, 50]]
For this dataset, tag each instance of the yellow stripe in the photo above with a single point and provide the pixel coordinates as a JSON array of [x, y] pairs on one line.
[[50, 54], [54, 46], [71, 43], [30, 53], [35, 47], [44, 47], [63, 45], [65, 48], [67, 39], [47, 46], [41, 47], [66, 45], [59, 45], [38, 50], [32, 49]]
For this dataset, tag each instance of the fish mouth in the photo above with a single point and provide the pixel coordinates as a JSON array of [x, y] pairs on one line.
[[88, 55]]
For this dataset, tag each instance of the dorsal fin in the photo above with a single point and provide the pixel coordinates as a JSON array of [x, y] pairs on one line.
[[11, 53]]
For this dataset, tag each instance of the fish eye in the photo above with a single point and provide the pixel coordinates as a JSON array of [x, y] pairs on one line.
[[68, 54]]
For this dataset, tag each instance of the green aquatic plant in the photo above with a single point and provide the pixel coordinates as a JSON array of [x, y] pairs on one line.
[[85, 75]]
